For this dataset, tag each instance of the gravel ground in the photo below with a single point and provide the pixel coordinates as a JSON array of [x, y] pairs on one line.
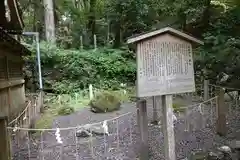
[[123, 145]]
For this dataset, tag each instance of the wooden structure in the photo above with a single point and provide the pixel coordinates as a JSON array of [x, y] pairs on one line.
[[164, 67], [11, 16], [12, 90]]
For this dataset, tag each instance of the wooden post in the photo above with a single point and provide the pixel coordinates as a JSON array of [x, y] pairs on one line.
[[168, 128], [9, 110], [95, 41], [81, 42], [221, 113], [41, 95], [206, 90], [4, 139], [143, 126], [90, 92]]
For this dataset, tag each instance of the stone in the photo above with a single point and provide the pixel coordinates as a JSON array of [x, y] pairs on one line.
[[97, 129], [83, 133]]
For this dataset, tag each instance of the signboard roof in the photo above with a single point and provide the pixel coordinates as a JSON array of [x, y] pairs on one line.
[[169, 30]]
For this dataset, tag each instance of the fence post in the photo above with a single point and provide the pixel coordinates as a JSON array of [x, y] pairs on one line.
[[41, 94], [95, 41], [206, 90], [143, 126], [4, 139], [90, 92], [221, 114], [81, 42]]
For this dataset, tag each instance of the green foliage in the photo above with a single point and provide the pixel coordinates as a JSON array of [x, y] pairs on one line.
[[105, 102], [70, 71], [65, 110], [214, 21]]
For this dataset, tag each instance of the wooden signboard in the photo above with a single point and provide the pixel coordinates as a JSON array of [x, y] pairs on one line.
[[164, 67], [164, 63]]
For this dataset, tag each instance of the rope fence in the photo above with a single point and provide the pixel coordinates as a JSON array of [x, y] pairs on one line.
[[103, 139], [112, 138]]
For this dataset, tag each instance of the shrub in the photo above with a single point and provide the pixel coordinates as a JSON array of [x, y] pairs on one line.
[[105, 102], [68, 71], [65, 110]]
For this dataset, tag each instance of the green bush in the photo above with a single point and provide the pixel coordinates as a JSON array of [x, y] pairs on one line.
[[68, 71], [105, 102], [65, 110]]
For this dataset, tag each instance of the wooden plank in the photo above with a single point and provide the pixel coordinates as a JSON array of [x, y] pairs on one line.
[[4, 139], [222, 111], [168, 128], [11, 83], [143, 126]]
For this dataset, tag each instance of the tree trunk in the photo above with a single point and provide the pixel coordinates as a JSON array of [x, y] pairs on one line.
[[92, 20], [49, 21], [206, 16], [117, 34]]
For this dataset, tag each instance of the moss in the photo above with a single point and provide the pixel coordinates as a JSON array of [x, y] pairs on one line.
[[65, 110], [106, 101]]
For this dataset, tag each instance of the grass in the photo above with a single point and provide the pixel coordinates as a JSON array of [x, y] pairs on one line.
[[59, 105]]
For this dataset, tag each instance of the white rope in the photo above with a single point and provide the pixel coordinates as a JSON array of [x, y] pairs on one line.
[[229, 88], [115, 118], [196, 107], [68, 128], [197, 104]]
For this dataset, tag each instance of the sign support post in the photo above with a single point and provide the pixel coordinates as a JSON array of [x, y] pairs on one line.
[[168, 128]]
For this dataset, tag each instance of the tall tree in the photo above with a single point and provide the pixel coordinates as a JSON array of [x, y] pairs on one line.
[[49, 21]]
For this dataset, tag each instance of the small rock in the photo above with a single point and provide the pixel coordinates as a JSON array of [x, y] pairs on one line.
[[83, 133]]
